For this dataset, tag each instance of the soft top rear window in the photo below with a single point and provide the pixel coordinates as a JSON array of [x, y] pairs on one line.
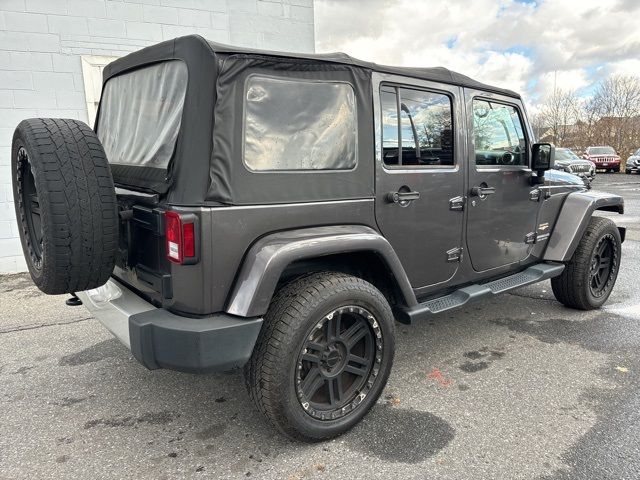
[[140, 114]]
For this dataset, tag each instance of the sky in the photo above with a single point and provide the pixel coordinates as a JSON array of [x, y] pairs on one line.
[[525, 45]]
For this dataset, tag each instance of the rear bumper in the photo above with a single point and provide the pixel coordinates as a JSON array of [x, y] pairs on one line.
[[158, 338]]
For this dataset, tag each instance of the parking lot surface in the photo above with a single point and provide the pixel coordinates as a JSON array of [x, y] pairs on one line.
[[517, 386]]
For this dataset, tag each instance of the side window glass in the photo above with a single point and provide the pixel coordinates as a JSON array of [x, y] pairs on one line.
[[417, 128], [498, 134]]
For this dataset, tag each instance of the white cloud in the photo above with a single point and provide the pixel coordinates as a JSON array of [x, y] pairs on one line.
[[517, 45]]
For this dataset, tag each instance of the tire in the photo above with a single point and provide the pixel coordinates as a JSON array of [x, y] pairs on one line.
[[65, 204], [575, 286], [300, 312]]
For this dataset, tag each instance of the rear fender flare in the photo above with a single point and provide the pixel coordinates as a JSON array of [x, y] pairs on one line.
[[573, 219], [269, 256]]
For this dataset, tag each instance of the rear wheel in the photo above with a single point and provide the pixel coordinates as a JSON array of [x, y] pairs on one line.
[[323, 356], [65, 204], [589, 277]]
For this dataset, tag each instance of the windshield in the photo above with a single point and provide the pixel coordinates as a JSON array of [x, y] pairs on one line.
[[601, 151], [565, 154], [637, 154]]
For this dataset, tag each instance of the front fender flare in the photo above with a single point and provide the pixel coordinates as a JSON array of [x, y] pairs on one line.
[[268, 257], [573, 221]]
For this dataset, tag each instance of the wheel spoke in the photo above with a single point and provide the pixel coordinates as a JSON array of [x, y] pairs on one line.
[[318, 347], [312, 382], [35, 204], [310, 357], [333, 326], [357, 365], [602, 247], [354, 334], [605, 262], [335, 390], [596, 281]]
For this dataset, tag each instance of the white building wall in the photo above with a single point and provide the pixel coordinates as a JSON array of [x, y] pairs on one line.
[[42, 43]]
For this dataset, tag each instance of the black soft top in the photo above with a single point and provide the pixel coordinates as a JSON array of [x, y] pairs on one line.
[[207, 166], [180, 48]]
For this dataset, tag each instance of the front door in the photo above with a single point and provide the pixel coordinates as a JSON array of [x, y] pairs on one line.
[[419, 177], [501, 215]]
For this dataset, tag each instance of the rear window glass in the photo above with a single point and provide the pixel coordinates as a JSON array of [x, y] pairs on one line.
[[299, 125], [140, 114]]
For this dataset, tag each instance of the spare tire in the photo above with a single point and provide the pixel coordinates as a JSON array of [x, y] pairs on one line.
[[65, 204]]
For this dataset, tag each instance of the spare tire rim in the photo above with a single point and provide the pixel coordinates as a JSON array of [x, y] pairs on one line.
[[338, 363], [29, 206], [603, 265]]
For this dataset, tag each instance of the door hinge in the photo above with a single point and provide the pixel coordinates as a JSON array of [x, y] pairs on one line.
[[456, 203], [454, 255], [534, 195], [530, 237]]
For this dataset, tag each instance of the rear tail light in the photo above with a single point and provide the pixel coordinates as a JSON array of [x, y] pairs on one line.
[[180, 237]]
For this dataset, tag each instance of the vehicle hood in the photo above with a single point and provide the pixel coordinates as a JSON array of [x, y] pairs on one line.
[[576, 161], [558, 177]]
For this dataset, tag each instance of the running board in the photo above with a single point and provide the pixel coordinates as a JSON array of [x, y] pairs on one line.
[[534, 274]]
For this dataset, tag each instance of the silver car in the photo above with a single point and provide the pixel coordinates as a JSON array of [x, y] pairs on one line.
[[566, 160], [633, 163]]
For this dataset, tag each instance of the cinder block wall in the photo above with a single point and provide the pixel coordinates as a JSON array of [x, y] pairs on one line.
[[42, 43]]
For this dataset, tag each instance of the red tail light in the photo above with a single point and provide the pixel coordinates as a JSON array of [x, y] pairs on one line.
[[180, 237]]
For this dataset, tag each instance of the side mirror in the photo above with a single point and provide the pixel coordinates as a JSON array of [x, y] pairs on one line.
[[542, 158]]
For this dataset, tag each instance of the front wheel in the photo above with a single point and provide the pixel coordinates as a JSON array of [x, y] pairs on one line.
[[589, 277], [323, 356]]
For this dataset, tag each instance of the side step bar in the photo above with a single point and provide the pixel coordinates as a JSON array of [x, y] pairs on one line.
[[533, 274]]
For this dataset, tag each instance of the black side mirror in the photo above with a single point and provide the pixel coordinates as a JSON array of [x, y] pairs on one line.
[[542, 158]]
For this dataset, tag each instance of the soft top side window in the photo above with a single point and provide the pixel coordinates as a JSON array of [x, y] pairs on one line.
[[417, 128], [498, 134], [296, 124]]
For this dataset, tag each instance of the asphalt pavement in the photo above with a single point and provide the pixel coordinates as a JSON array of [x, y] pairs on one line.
[[516, 386]]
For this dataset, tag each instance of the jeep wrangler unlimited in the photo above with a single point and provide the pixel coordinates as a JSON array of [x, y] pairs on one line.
[[277, 212]]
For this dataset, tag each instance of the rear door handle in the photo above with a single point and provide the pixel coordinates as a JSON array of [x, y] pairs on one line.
[[482, 191], [403, 198]]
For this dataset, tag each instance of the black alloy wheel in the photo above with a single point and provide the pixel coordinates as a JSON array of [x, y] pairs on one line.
[[29, 207], [338, 362], [604, 262]]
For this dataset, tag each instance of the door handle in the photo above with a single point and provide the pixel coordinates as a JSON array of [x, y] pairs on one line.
[[402, 198], [482, 191]]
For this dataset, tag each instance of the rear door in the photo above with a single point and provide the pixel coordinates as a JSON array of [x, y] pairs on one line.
[[502, 207], [419, 175]]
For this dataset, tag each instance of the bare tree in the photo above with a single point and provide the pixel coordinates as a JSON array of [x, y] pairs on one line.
[[615, 107], [560, 114]]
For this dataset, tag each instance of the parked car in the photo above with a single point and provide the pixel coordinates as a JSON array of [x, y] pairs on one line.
[[278, 213], [604, 158], [568, 161], [633, 163]]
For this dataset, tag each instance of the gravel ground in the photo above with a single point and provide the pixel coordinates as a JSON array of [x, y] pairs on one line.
[[512, 387]]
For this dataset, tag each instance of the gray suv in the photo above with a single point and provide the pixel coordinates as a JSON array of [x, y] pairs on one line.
[[279, 213]]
